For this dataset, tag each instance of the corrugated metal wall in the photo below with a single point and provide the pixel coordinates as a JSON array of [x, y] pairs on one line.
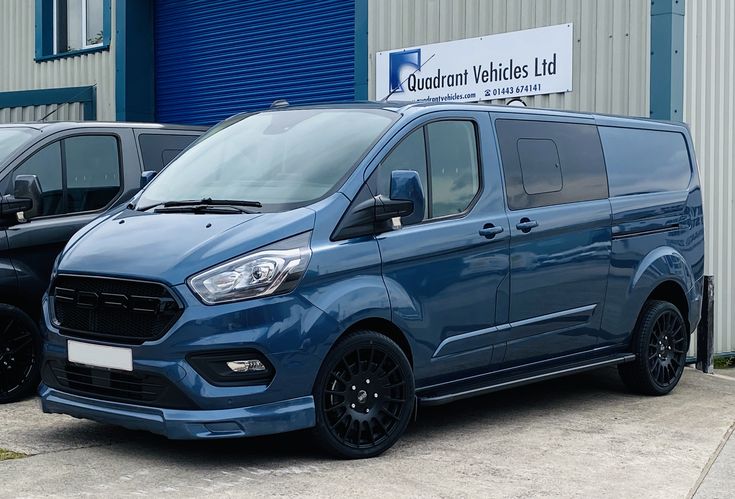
[[216, 59], [709, 108], [72, 112], [17, 51], [611, 49]]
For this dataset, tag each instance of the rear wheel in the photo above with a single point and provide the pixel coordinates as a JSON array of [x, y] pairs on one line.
[[660, 344], [364, 396], [19, 355]]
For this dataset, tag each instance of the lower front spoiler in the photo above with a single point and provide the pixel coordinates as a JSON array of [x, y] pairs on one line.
[[277, 417]]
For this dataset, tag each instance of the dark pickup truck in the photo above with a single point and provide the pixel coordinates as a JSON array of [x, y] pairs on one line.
[[54, 179]]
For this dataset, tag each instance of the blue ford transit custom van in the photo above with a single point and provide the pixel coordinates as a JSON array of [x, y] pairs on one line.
[[330, 267]]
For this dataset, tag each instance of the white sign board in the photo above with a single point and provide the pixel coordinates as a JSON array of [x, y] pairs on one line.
[[520, 63]]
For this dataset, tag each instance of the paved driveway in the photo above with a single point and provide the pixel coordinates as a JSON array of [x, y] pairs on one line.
[[582, 436]]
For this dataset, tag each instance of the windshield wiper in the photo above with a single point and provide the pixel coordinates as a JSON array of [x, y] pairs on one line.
[[206, 204], [214, 202], [203, 208]]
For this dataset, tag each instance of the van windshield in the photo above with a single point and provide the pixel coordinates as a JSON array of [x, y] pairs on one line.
[[281, 159], [12, 138]]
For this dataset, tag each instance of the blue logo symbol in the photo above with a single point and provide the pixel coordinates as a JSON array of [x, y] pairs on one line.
[[396, 62]]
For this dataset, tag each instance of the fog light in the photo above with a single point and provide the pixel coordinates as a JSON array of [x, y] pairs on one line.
[[246, 366]]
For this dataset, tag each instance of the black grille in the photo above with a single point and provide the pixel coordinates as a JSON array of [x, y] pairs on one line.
[[116, 386], [115, 310]]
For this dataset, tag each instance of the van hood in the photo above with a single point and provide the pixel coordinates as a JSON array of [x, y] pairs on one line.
[[170, 247]]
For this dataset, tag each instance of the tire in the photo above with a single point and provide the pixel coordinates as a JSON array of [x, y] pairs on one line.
[[364, 396], [660, 343], [20, 349]]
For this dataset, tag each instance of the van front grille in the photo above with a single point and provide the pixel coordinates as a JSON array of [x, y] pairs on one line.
[[113, 310]]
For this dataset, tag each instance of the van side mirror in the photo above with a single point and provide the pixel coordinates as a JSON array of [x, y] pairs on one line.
[[370, 214], [25, 202], [146, 177], [406, 198]]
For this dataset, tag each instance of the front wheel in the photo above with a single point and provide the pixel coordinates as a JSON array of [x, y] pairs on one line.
[[364, 396], [660, 344], [19, 355]]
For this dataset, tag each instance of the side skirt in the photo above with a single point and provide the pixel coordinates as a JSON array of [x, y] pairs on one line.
[[461, 391]]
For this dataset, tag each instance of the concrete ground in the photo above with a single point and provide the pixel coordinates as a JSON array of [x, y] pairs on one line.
[[582, 436]]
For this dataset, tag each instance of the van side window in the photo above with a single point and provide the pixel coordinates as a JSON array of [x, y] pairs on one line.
[[46, 165], [547, 163], [641, 161], [409, 154], [449, 173], [453, 165], [159, 149], [92, 180], [92, 172]]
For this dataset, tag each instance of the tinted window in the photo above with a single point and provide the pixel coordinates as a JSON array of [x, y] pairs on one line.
[[453, 166], [92, 172], [640, 161], [539, 160], [46, 165], [547, 163], [409, 154], [159, 149]]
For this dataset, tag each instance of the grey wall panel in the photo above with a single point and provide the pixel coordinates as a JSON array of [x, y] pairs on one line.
[[709, 108], [19, 71], [611, 42]]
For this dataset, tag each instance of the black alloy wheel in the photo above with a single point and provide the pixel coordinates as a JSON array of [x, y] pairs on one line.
[[364, 396], [19, 355], [660, 345]]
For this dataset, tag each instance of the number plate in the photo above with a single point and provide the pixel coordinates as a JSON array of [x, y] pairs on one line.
[[100, 355]]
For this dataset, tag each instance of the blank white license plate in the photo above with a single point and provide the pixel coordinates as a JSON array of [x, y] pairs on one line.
[[100, 355]]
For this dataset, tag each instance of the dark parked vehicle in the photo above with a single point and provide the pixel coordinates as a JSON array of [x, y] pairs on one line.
[[334, 265], [55, 178]]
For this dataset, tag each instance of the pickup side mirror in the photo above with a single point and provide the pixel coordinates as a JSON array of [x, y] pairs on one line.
[[146, 177], [370, 214], [26, 198]]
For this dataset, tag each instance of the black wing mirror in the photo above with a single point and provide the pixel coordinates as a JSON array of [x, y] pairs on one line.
[[371, 214], [25, 202]]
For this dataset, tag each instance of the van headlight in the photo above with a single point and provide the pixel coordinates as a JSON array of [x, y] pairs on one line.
[[271, 270]]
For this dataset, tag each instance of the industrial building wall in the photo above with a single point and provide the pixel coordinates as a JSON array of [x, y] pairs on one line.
[[611, 42], [17, 51], [709, 109]]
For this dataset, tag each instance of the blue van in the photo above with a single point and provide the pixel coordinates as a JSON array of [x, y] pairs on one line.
[[331, 267]]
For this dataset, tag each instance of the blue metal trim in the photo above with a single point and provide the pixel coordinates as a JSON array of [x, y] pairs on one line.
[[71, 53], [44, 28], [86, 95], [361, 50], [134, 92], [106, 23], [667, 59]]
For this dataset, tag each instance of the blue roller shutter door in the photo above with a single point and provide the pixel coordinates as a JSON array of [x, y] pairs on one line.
[[216, 58]]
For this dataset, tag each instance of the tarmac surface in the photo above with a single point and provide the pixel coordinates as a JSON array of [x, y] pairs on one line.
[[581, 436]]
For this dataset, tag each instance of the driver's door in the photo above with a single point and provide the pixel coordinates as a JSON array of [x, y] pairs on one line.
[[79, 176]]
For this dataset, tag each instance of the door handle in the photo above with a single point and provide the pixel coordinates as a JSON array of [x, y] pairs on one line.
[[526, 224], [489, 231]]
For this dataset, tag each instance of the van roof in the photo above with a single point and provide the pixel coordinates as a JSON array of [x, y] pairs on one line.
[[409, 107]]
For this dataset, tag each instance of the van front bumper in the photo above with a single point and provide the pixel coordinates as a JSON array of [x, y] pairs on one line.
[[266, 419]]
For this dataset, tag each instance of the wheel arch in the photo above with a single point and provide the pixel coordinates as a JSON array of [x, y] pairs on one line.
[[383, 326]]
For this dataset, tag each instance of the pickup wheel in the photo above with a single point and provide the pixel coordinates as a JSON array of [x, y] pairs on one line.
[[660, 344], [19, 355], [364, 396]]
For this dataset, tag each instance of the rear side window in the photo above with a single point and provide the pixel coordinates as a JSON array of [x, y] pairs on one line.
[[547, 163], [643, 161], [159, 149]]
